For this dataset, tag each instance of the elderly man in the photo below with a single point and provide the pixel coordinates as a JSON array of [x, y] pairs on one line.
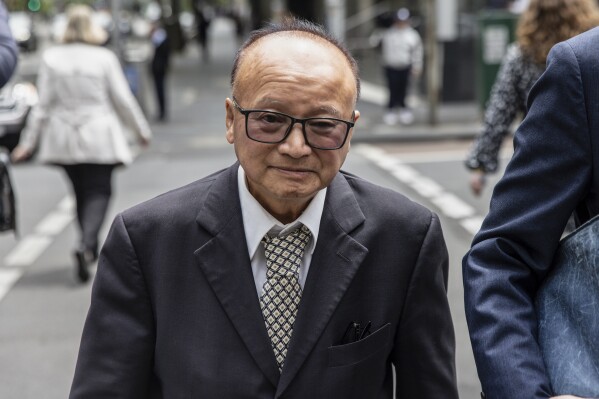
[[280, 276]]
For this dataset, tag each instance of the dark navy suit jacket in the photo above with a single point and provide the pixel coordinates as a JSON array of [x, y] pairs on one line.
[[175, 313], [553, 173]]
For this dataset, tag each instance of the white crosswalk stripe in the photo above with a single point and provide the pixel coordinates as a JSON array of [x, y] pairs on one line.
[[446, 203], [32, 246]]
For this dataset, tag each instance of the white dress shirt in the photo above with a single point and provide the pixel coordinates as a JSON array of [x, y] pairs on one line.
[[257, 222]]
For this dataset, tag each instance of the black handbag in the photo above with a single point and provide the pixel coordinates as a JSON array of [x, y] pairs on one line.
[[8, 214], [567, 307]]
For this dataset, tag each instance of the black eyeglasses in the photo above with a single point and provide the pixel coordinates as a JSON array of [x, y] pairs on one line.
[[273, 127]]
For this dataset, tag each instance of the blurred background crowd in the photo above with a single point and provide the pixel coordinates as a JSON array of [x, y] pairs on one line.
[[462, 39]]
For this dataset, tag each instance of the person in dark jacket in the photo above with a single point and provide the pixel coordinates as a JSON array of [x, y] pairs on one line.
[[203, 18], [159, 68], [553, 173], [8, 48]]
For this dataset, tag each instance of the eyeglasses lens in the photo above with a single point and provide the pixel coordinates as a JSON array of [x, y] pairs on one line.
[[271, 127]]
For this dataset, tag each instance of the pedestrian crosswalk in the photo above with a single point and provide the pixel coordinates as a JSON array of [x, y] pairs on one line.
[[33, 245], [445, 202]]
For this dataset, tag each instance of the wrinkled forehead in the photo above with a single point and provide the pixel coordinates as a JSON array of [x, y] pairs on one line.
[[295, 51], [292, 43]]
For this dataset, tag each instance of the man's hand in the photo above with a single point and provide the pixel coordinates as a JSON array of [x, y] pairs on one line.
[[477, 181]]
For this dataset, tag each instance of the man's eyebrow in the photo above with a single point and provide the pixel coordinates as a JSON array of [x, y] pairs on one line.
[[322, 110], [330, 111], [266, 101]]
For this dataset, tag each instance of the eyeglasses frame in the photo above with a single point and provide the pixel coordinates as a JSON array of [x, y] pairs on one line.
[[302, 121]]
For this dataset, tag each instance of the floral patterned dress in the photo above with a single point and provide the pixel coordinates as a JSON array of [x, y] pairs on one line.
[[516, 76]]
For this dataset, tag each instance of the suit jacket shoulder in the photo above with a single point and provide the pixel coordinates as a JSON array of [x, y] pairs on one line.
[[586, 45], [383, 206]]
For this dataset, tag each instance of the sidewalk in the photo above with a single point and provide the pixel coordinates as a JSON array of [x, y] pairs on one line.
[[454, 120]]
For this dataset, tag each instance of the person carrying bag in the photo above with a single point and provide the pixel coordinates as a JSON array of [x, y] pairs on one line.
[[8, 212]]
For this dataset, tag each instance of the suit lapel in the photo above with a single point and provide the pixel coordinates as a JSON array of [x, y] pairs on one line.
[[226, 265], [335, 261]]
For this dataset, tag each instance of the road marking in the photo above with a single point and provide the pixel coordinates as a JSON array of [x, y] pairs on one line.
[[32, 246], [472, 224], [8, 277], [452, 206], [447, 203], [27, 251], [445, 156], [53, 223], [427, 188]]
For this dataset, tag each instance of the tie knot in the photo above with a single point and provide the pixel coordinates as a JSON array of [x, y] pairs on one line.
[[284, 254]]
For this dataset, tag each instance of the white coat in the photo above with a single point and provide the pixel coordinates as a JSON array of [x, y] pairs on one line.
[[84, 106], [402, 47]]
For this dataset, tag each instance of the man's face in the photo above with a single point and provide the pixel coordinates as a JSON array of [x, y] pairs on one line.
[[302, 77]]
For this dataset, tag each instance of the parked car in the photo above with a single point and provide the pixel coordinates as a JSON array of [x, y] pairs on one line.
[[16, 100], [23, 30]]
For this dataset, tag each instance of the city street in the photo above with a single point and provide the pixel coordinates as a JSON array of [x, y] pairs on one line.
[[43, 308]]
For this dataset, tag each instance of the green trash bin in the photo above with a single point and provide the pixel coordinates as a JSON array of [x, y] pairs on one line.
[[497, 29]]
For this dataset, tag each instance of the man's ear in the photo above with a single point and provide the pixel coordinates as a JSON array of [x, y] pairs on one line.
[[229, 120], [351, 132]]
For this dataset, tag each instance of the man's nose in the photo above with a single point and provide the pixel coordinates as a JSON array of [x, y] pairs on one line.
[[295, 144]]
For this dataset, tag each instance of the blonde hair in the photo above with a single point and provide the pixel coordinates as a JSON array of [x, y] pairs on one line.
[[547, 22], [81, 28]]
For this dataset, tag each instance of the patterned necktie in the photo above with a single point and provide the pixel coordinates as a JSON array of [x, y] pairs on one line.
[[282, 292]]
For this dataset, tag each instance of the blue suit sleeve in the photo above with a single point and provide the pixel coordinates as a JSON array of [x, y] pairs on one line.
[[8, 48], [548, 176]]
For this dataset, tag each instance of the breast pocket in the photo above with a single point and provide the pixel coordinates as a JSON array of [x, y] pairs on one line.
[[356, 352]]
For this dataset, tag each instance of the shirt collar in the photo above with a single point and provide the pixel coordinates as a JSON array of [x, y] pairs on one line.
[[257, 221]]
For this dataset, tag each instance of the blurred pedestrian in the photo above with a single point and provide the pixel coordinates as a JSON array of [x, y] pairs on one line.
[[203, 17], [402, 60], [8, 48], [8, 63], [543, 24], [553, 173], [159, 67], [78, 123]]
